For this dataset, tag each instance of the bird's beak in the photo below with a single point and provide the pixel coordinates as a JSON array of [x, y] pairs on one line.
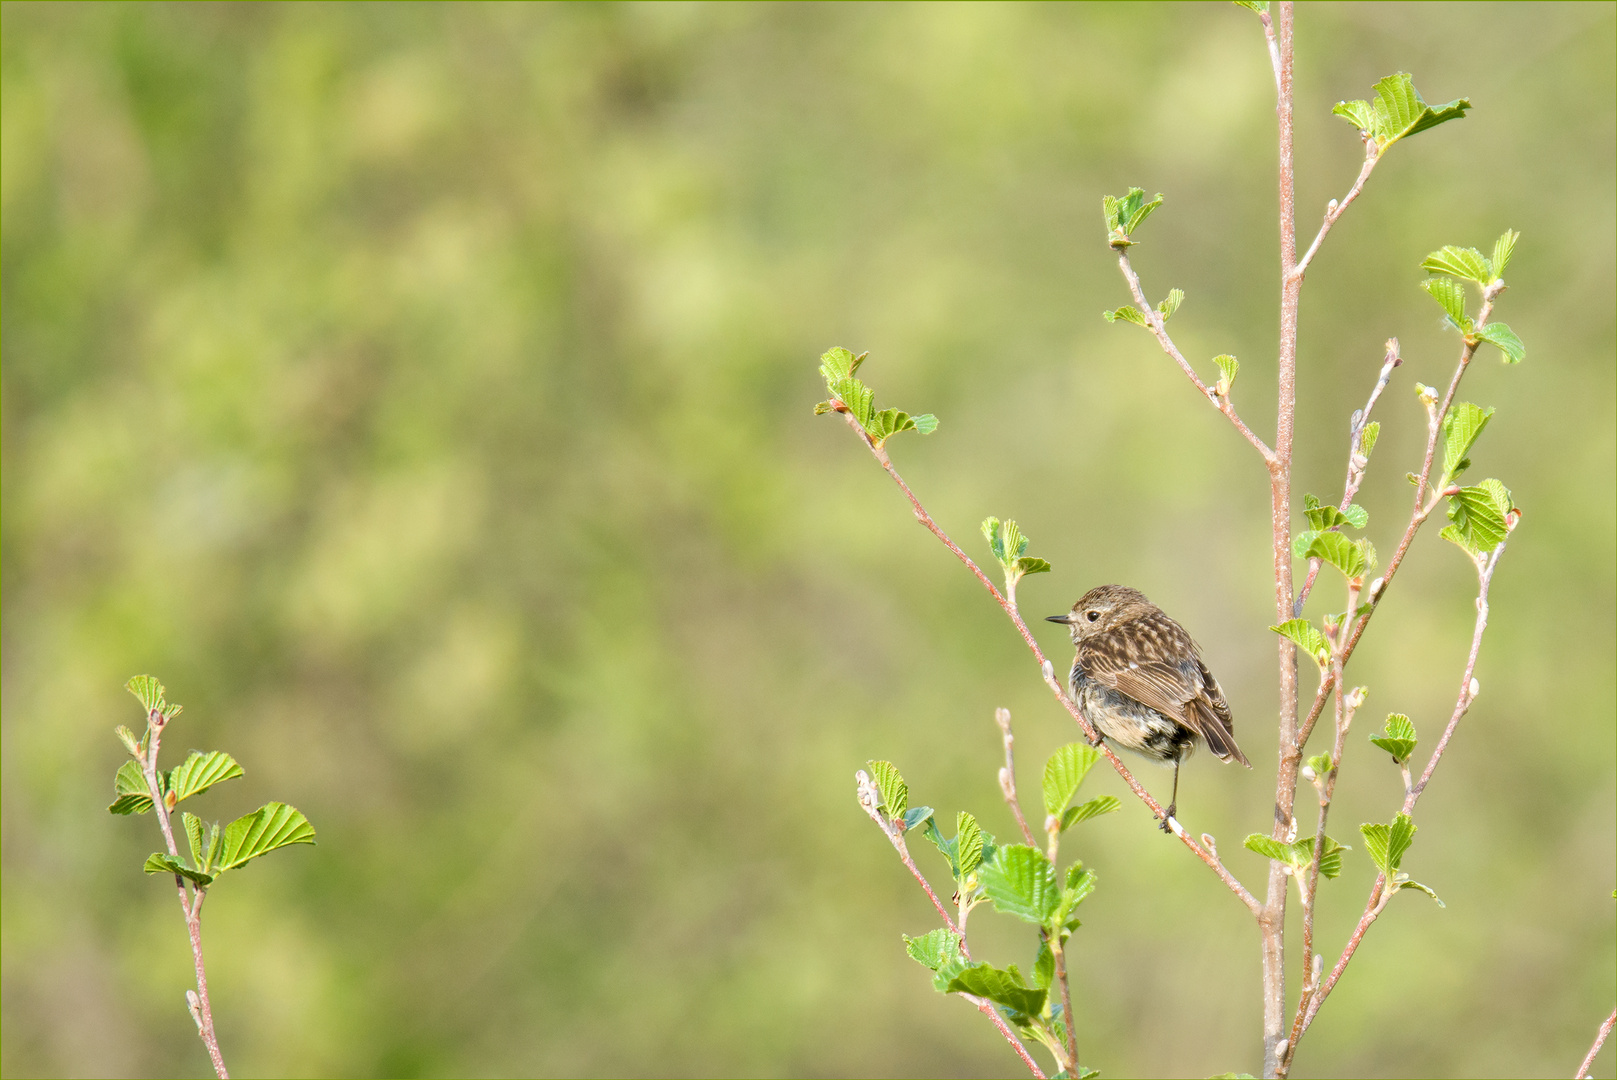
[[1064, 619]]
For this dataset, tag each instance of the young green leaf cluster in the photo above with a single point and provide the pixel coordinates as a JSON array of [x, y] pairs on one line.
[[1397, 737], [1387, 845], [1125, 215], [1298, 856], [849, 395], [1009, 546], [1322, 539], [273, 825], [1018, 880], [1449, 267], [1397, 112]]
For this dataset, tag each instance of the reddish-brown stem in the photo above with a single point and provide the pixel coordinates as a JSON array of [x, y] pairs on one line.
[[1066, 1006], [1157, 324], [1600, 1040], [1379, 893], [1357, 461], [1007, 775], [1335, 209], [1424, 505], [1345, 708], [1048, 669], [190, 904]]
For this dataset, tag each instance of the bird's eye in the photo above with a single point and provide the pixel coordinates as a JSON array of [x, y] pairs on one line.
[[1093, 615]]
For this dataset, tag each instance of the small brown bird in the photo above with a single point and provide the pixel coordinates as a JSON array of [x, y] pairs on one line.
[[1140, 680]]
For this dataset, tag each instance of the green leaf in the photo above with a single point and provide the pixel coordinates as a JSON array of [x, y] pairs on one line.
[[1323, 516], [1228, 368], [1502, 336], [1465, 263], [273, 825], [1330, 861], [1027, 564], [1064, 772], [1021, 882], [1352, 557], [894, 792], [933, 949], [1307, 637], [1127, 314], [129, 787], [1171, 304], [1367, 441], [1001, 987], [149, 691], [1138, 209], [968, 843], [1450, 296], [926, 423], [1301, 543], [1255, 5], [995, 537], [1461, 427], [158, 863], [1398, 739], [1387, 843], [859, 399], [200, 771], [1270, 848], [127, 737], [839, 363], [1080, 883], [193, 833], [1361, 114], [1015, 542], [1480, 514], [1320, 763], [1502, 250], [938, 952], [1400, 111], [1417, 885], [1103, 804], [1044, 967], [915, 815]]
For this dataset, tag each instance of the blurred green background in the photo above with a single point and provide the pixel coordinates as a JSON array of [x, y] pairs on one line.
[[423, 393]]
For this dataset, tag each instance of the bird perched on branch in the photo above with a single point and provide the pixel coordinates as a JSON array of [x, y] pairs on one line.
[[1140, 680]]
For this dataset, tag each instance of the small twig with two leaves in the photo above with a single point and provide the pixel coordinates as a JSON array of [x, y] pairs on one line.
[[141, 787]]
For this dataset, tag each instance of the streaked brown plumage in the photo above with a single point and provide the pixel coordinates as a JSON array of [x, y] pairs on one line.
[[1139, 678]]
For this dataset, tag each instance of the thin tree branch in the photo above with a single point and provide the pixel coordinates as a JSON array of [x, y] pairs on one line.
[[190, 904], [1600, 1040], [1346, 706], [1379, 892], [1158, 327], [1334, 209], [1007, 775], [1358, 460]]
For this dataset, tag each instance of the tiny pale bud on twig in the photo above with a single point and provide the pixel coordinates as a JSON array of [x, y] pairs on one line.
[[1476, 688]]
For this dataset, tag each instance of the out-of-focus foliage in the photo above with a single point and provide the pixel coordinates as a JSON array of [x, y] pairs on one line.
[[425, 391]]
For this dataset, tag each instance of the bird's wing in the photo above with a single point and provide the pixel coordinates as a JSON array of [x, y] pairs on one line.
[[1118, 660]]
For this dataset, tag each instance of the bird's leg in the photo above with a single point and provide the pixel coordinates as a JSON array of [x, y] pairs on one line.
[[1173, 802]]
